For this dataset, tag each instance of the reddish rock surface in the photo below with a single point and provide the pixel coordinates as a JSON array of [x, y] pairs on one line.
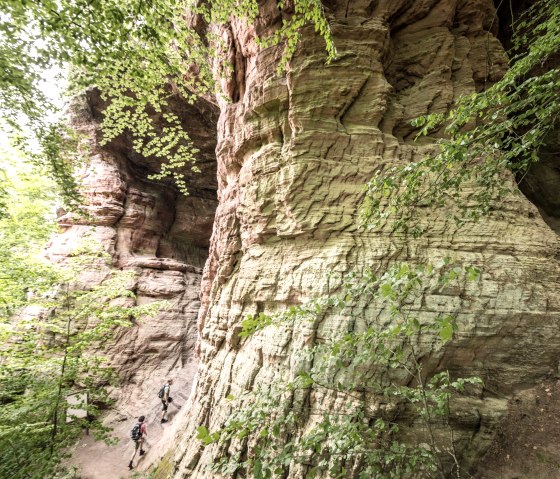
[[149, 228], [293, 153]]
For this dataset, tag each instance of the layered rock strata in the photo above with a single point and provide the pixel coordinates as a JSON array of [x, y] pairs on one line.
[[294, 152], [149, 228]]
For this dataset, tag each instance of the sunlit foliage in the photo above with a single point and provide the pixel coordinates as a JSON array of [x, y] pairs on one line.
[[138, 53], [489, 133]]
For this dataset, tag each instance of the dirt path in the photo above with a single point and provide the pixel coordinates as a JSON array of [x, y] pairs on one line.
[[96, 460], [526, 446]]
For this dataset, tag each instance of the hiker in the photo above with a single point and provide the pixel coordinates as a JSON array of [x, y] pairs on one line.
[[165, 399], [139, 431]]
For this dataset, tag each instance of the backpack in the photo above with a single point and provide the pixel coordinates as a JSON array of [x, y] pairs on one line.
[[161, 392], [136, 433]]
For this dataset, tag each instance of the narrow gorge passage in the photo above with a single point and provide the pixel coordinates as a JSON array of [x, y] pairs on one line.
[[332, 225], [163, 236]]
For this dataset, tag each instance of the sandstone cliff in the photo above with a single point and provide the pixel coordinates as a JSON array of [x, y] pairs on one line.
[[163, 237], [292, 155]]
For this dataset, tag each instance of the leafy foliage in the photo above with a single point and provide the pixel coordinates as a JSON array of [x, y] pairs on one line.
[[372, 373], [307, 12], [138, 53], [489, 133], [46, 359], [52, 331], [25, 226]]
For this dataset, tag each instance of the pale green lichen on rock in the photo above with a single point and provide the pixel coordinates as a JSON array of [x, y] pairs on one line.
[[164, 468]]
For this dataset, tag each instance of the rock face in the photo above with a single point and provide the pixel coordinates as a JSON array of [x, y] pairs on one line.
[[293, 154], [149, 228]]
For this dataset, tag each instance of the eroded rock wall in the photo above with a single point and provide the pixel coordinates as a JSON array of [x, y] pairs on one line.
[[147, 227], [294, 152]]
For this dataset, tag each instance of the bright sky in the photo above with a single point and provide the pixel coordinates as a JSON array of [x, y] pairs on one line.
[[53, 85]]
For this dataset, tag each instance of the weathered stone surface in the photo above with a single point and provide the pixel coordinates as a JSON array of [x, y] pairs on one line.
[[163, 237], [151, 229], [293, 154]]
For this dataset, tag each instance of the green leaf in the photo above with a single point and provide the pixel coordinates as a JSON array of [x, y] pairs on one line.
[[204, 435], [386, 290], [446, 332]]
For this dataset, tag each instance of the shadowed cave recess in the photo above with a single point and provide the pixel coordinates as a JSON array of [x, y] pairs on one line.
[[274, 209], [151, 228], [541, 183]]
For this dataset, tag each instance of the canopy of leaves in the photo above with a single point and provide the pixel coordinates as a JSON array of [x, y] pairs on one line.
[[489, 133], [136, 52]]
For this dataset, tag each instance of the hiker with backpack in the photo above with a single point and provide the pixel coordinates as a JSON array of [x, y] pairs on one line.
[[163, 394], [139, 431]]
